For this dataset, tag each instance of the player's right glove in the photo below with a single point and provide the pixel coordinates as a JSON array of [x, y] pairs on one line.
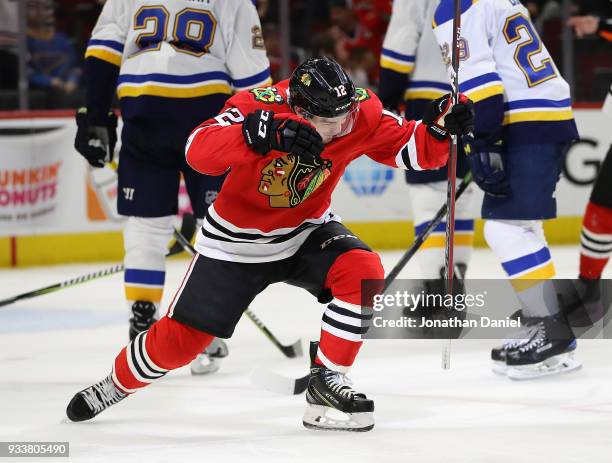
[[443, 118], [263, 132], [96, 143], [486, 161]]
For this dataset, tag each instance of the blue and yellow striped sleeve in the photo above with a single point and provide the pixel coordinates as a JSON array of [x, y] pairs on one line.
[[398, 62], [110, 51], [260, 79], [487, 93]]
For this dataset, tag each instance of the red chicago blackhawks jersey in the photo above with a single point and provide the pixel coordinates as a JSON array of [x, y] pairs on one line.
[[270, 204]]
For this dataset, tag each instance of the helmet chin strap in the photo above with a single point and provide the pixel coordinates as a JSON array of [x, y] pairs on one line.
[[303, 113]]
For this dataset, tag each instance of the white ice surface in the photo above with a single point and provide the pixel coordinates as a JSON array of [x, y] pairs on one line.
[[53, 346]]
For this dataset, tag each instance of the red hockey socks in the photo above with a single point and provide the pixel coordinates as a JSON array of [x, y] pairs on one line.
[[166, 346], [341, 327], [595, 241]]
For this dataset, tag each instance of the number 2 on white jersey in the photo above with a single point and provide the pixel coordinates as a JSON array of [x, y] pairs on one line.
[[527, 50]]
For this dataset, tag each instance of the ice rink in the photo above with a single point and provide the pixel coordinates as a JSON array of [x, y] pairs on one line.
[[55, 345]]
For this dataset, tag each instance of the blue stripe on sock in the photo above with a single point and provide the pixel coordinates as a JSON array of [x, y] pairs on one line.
[[460, 225], [145, 277], [512, 267]]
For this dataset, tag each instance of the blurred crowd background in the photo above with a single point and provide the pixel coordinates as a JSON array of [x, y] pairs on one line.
[[351, 31]]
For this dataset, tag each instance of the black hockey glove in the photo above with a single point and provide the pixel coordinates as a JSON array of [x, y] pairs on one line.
[[486, 161], [96, 143], [264, 132], [444, 118]]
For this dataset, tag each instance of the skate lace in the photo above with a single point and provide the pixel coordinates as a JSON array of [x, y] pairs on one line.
[[536, 340], [339, 384], [522, 336], [102, 395], [143, 314]]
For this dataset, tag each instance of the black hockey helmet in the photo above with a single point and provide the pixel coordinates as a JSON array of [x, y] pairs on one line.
[[322, 88]]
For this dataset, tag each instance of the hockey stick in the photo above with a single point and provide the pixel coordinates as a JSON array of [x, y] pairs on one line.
[[291, 351], [274, 382], [420, 239], [187, 229], [452, 178]]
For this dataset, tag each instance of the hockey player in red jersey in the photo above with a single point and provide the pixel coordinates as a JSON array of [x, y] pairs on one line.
[[286, 148]]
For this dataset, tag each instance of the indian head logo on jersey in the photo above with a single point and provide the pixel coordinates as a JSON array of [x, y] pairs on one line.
[[288, 180], [268, 95]]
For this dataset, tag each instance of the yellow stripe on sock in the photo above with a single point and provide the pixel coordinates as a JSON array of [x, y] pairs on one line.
[[137, 293], [533, 278], [438, 241]]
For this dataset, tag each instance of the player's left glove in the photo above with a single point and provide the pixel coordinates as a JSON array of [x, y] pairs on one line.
[[443, 118], [94, 142], [486, 161]]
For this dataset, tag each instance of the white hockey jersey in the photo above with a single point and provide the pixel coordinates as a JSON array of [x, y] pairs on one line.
[[410, 47], [507, 71], [181, 49]]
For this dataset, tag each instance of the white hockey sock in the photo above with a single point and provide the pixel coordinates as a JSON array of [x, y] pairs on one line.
[[525, 257]]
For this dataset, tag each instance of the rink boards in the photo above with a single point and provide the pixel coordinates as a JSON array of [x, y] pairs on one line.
[[55, 209]]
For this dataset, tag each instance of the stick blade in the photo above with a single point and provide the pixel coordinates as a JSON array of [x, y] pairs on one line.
[[278, 384], [294, 350], [446, 354], [8, 301]]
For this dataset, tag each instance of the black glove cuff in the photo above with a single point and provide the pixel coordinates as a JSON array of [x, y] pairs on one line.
[[439, 133], [257, 130]]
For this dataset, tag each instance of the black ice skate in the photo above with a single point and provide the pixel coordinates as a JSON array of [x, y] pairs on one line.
[[549, 351], [143, 316], [529, 327], [328, 394], [93, 400], [209, 361]]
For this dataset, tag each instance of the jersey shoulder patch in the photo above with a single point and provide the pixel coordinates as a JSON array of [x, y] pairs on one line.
[[267, 95], [362, 94], [370, 109]]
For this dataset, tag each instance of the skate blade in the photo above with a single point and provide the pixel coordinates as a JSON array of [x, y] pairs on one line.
[[499, 368], [204, 365], [323, 418], [559, 364]]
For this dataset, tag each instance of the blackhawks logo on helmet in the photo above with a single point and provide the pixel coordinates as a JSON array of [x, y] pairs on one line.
[[268, 95], [361, 94], [289, 180]]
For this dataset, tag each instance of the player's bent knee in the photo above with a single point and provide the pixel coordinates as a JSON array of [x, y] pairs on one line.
[[368, 265], [172, 344], [349, 270], [360, 264]]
